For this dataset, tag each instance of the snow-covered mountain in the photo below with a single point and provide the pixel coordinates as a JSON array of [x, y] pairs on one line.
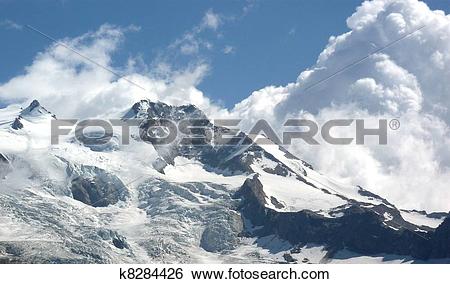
[[234, 203]]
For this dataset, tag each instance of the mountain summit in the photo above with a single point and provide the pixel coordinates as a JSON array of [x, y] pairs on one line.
[[35, 109], [34, 113]]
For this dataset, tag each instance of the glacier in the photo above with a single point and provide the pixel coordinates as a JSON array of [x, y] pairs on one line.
[[145, 203]]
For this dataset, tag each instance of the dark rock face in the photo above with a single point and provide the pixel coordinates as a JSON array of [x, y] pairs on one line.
[[371, 195], [155, 115], [278, 170], [96, 187], [252, 191], [289, 258], [359, 229], [226, 157], [162, 110], [35, 108], [117, 240], [34, 104], [17, 124], [440, 241]]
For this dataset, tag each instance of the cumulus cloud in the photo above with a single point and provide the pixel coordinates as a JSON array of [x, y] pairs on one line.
[[408, 81], [71, 86]]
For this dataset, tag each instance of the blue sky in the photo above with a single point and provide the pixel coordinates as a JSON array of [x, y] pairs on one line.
[[257, 43]]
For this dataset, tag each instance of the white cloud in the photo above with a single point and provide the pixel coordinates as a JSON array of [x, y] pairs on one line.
[[193, 41], [248, 7], [71, 86], [211, 20], [10, 25], [228, 49], [408, 81], [190, 48]]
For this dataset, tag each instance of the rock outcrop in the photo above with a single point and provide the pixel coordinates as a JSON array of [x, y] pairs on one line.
[[359, 229], [95, 187]]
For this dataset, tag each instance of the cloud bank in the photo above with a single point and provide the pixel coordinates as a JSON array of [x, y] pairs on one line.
[[407, 81], [71, 86]]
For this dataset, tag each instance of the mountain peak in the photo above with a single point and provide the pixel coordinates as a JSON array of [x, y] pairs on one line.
[[36, 109], [138, 110], [34, 104], [145, 108], [17, 124], [34, 113], [140, 105]]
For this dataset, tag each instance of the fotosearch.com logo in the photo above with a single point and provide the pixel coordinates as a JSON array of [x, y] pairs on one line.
[[219, 132]]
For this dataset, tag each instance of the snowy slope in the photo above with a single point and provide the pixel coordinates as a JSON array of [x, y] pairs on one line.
[[421, 218], [71, 203], [312, 177]]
